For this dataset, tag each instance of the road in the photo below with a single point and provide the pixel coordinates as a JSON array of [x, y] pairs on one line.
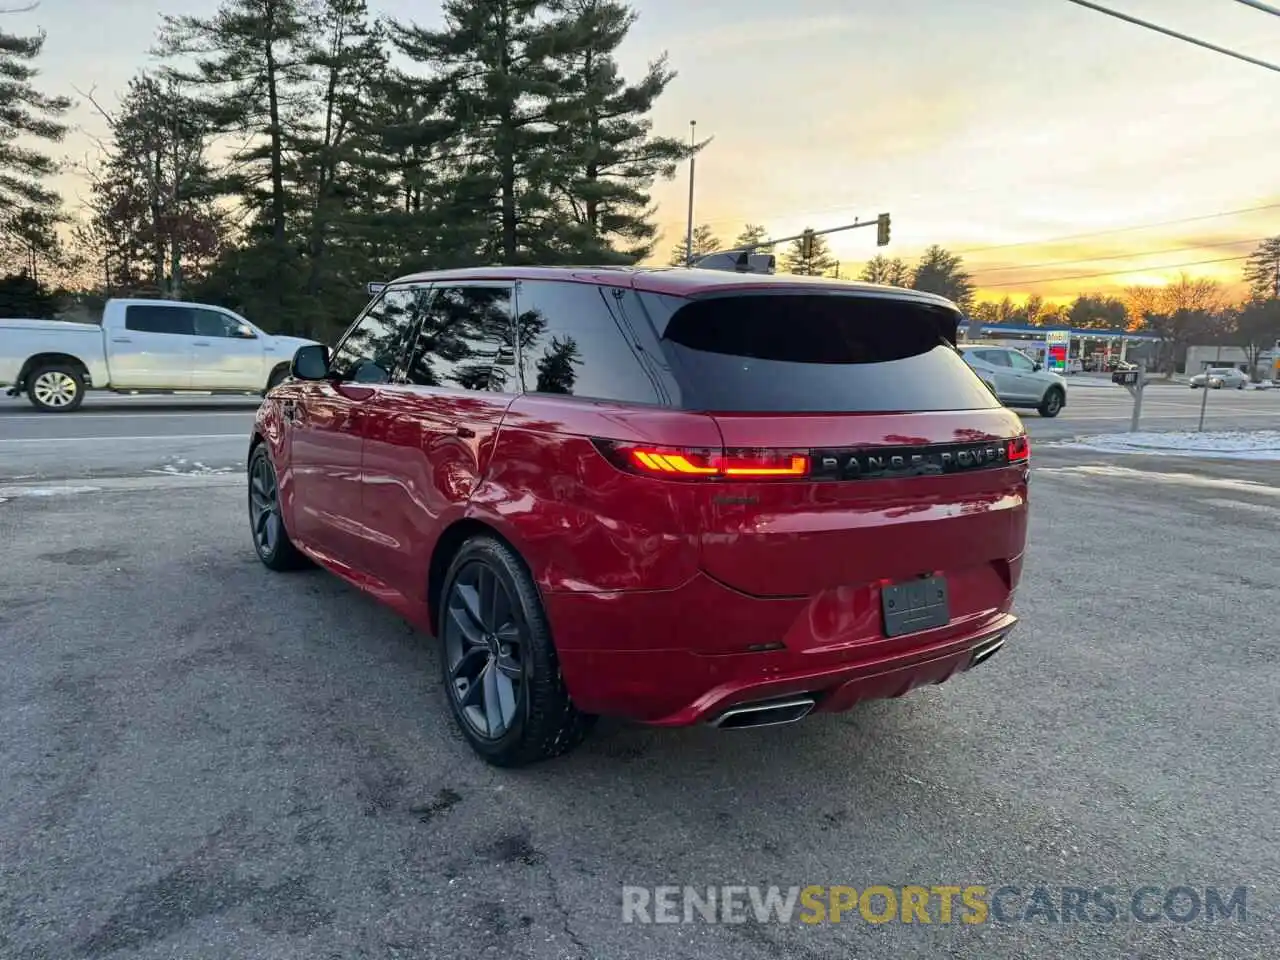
[[127, 436], [201, 759]]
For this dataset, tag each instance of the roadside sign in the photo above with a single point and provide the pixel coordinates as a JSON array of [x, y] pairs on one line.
[[1057, 345]]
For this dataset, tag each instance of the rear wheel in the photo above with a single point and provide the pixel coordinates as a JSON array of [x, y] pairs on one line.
[[270, 539], [1051, 405], [56, 388], [501, 674]]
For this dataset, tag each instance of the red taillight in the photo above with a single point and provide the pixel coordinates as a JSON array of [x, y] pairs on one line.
[[682, 463], [1018, 449]]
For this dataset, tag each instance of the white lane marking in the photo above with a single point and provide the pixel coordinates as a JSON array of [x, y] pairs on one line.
[[44, 417], [1152, 476], [1245, 505], [169, 437]]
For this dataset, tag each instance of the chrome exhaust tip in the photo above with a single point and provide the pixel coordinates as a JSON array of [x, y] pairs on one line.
[[766, 713], [987, 651]]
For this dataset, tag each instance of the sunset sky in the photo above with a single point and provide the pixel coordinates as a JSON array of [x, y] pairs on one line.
[[989, 126]]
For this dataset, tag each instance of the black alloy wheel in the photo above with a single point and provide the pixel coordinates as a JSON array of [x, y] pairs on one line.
[[500, 669], [484, 651], [270, 539]]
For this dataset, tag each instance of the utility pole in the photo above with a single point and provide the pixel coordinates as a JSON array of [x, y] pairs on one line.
[[693, 160]]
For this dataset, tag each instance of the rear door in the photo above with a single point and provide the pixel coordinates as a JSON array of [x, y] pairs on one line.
[[860, 449], [154, 349], [227, 353]]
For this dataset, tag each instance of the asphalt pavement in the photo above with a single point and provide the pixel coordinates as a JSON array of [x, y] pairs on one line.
[[128, 436], [203, 759]]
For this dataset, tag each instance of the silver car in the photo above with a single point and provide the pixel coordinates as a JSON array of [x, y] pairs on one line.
[[1215, 378], [1016, 379]]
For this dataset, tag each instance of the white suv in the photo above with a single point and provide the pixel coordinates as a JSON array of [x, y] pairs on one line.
[[1016, 379]]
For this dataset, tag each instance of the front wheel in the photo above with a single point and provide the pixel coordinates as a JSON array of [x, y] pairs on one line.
[[57, 388], [1052, 403], [270, 539], [501, 673]]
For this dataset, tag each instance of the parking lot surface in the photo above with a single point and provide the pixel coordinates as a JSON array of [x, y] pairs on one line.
[[202, 759]]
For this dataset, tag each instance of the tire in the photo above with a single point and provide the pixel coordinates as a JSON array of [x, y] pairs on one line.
[[56, 388], [498, 663], [270, 539], [1052, 403], [276, 378]]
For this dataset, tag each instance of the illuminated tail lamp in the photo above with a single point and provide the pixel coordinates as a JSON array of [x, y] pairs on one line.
[[680, 463], [1018, 449]]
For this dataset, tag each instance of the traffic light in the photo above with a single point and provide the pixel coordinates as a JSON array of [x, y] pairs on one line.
[[882, 230], [806, 245]]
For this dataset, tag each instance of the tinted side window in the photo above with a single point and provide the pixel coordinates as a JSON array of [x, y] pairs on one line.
[[211, 323], [375, 346], [997, 358], [573, 341], [466, 340], [158, 318], [1020, 361]]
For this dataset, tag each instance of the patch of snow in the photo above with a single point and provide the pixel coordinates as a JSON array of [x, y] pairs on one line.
[[1219, 444], [47, 491], [1152, 476]]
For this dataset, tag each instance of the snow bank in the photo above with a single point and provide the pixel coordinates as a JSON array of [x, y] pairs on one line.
[[1220, 444]]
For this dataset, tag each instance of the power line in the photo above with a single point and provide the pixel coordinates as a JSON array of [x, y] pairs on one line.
[[1118, 256], [1175, 34], [1113, 273], [1264, 7], [1108, 233]]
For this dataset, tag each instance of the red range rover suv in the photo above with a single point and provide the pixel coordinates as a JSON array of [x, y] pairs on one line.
[[675, 495]]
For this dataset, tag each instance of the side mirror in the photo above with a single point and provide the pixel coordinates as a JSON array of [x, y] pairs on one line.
[[1039, 365], [311, 362], [245, 332]]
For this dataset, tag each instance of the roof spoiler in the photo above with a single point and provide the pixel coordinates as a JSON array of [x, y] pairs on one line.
[[737, 261]]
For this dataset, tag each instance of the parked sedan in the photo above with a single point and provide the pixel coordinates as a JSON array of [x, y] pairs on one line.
[[1218, 377]]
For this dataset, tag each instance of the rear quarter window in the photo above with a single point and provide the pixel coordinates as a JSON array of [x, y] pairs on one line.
[[815, 353]]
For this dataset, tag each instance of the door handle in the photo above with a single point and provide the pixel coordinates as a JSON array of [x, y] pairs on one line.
[[121, 340], [465, 432], [200, 343]]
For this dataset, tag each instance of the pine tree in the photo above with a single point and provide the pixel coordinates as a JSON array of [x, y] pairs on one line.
[[752, 236], [347, 59], [819, 263], [248, 60], [28, 208], [942, 272], [704, 242], [607, 153], [489, 69], [892, 272], [1262, 270]]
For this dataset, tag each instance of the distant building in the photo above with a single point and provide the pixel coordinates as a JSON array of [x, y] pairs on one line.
[[1201, 358]]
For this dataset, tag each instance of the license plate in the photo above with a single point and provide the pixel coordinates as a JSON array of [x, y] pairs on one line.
[[915, 605]]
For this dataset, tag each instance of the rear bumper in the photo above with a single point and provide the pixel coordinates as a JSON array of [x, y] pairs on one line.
[[679, 687]]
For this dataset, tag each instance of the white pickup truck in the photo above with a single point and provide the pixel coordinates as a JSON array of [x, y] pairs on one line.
[[155, 346]]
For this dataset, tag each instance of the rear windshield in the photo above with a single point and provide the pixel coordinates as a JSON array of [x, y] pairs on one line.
[[817, 353]]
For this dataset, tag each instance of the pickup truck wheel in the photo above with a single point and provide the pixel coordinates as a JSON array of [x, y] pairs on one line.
[[1051, 405], [501, 673], [57, 388], [270, 539]]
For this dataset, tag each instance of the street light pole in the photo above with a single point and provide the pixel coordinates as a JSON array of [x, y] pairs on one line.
[[693, 159]]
